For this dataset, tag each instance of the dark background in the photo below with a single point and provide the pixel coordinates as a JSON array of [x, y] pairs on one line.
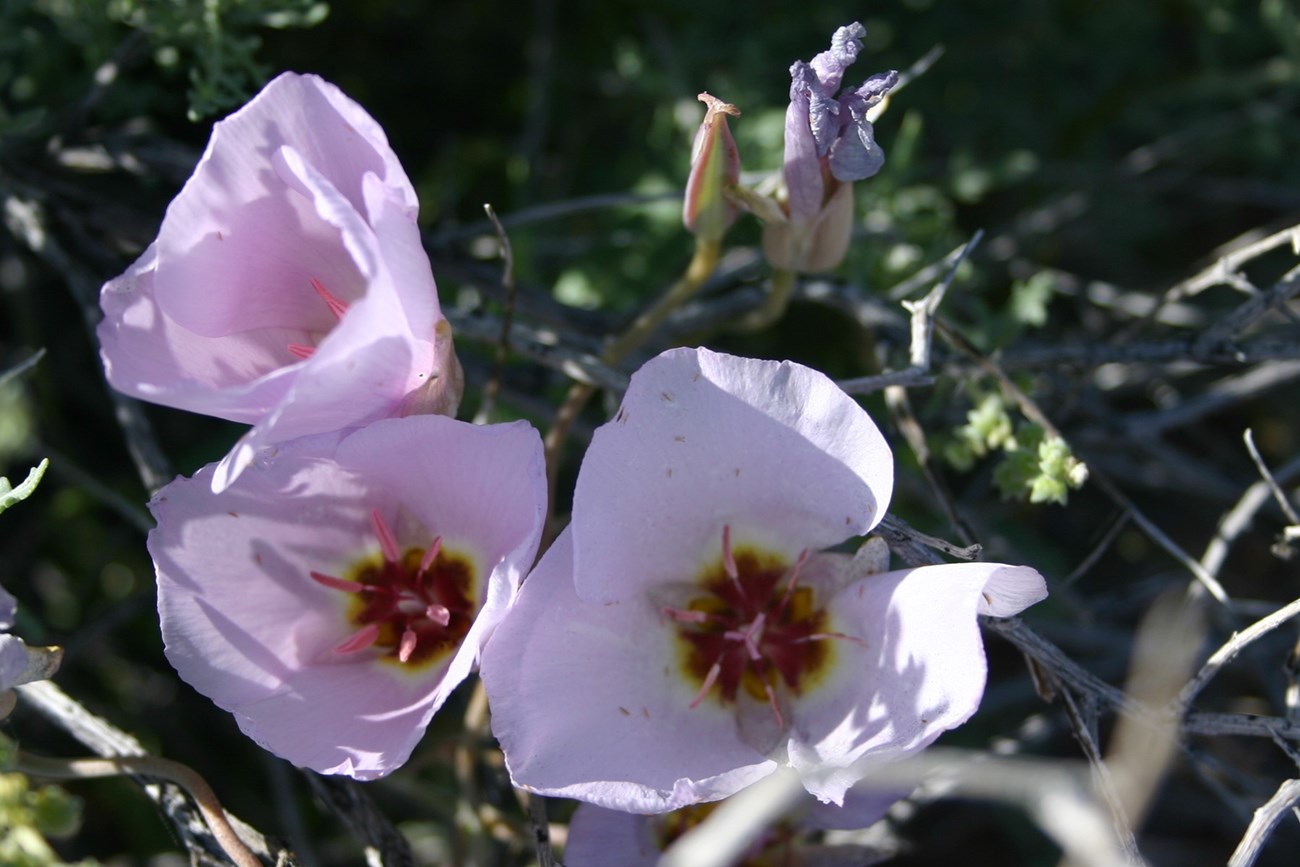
[[1107, 152]]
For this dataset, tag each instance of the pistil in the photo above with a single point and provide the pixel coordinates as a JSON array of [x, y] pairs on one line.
[[412, 603], [750, 624]]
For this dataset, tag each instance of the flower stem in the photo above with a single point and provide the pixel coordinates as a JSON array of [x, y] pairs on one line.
[[148, 766], [773, 307], [701, 266]]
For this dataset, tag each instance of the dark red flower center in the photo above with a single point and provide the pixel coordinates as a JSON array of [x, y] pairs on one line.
[[751, 626], [415, 605]]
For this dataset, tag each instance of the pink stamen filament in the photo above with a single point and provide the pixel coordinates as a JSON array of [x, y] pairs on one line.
[[340, 584], [828, 636], [772, 702], [709, 679], [387, 543], [682, 615], [360, 640], [337, 307], [794, 579], [300, 351], [729, 558], [431, 555]]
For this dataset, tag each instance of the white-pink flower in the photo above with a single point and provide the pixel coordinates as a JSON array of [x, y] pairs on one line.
[[599, 836], [689, 633], [333, 597], [287, 288]]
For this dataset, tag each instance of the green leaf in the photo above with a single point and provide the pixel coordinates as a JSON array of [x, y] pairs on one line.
[[10, 495]]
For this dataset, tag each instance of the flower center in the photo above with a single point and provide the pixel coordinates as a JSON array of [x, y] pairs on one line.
[[336, 305], [774, 847], [751, 626], [415, 605]]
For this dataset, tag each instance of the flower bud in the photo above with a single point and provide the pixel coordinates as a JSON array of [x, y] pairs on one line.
[[715, 165]]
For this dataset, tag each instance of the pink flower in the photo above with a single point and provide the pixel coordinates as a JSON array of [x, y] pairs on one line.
[[288, 288], [599, 836], [715, 166], [829, 144], [333, 598], [689, 633]]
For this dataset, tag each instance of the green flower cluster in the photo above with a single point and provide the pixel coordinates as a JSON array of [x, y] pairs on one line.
[[28, 816], [1034, 465]]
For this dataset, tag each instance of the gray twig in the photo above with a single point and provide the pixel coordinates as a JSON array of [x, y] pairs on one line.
[[1265, 820], [347, 800], [105, 739]]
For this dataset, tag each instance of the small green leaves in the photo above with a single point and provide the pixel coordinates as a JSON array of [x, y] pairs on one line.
[[10, 495], [1034, 465], [28, 816]]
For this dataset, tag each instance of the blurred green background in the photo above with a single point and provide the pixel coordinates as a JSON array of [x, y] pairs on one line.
[[1106, 150]]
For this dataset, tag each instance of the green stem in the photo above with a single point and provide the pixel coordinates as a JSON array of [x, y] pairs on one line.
[[701, 266], [773, 307]]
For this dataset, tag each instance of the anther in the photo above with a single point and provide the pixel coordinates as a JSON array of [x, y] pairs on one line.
[[387, 543], [359, 640], [427, 561], [407, 647], [337, 306], [439, 614], [339, 583]]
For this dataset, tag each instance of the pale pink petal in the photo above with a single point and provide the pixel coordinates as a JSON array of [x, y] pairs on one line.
[[917, 670], [599, 837], [586, 704], [704, 440], [240, 613], [236, 217], [805, 186], [145, 354], [863, 807]]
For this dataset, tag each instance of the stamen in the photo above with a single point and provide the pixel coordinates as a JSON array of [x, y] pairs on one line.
[[682, 615], [794, 578], [709, 679], [360, 640], [337, 306], [387, 543], [407, 647], [301, 351], [439, 614], [429, 557], [771, 700], [340, 584], [827, 636], [728, 558]]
